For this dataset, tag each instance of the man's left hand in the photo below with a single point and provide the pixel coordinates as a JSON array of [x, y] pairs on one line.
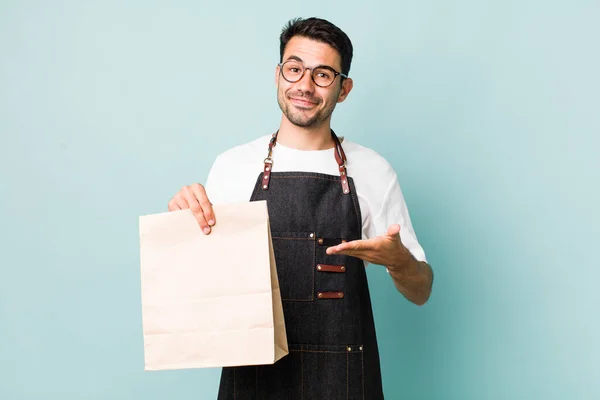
[[386, 250]]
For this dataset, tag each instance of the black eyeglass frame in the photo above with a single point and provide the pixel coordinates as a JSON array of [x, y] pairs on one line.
[[335, 73]]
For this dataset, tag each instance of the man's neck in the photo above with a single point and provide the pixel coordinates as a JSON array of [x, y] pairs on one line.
[[314, 138]]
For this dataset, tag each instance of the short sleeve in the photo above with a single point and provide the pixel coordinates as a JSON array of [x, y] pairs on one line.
[[231, 180], [395, 211]]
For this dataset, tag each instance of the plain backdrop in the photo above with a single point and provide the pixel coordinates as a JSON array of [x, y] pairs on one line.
[[488, 111]]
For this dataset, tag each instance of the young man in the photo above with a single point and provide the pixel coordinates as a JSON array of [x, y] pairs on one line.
[[334, 206]]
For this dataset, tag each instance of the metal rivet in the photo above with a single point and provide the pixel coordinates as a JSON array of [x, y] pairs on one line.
[[319, 267], [344, 181], [320, 295], [343, 173], [345, 191], [312, 235], [268, 169], [265, 186], [360, 348], [343, 268], [266, 177], [349, 348], [340, 294], [320, 240]]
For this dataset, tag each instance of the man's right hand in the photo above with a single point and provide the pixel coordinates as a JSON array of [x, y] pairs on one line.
[[194, 197]]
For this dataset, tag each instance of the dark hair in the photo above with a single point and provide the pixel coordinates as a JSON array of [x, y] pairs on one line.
[[319, 30]]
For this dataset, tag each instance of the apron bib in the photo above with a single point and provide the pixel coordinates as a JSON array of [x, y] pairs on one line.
[[326, 301]]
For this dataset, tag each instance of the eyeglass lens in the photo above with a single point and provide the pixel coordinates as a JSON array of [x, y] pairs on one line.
[[293, 72]]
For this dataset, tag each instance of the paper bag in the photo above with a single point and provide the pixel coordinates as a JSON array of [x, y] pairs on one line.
[[210, 300]]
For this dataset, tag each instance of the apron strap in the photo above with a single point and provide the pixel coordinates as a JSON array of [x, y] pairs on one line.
[[268, 163], [340, 158]]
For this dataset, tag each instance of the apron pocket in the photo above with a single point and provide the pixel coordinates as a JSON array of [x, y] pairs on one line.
[[295, 259], [331, 371]]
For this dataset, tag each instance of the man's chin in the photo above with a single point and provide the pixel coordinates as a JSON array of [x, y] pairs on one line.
[[304, 123], [302, 120]]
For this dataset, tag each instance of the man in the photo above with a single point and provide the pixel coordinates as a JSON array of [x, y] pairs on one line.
[[334, 206]]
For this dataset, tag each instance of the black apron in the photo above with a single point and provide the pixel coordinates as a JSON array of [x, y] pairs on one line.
[[326, 301]]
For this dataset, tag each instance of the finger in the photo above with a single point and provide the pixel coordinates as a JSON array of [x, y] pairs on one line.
[[196, 209], [205, 204], [393, 230], [191, 199], [339, 248], [361, 254], [354, 246], [181, 202], [173, 206]]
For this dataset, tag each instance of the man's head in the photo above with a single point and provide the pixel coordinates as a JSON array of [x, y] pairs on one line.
[[315, 58]]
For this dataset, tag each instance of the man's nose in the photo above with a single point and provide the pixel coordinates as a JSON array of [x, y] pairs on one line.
[[306, 83]]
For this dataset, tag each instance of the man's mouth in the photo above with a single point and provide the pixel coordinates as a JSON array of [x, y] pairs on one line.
[[300, 102]]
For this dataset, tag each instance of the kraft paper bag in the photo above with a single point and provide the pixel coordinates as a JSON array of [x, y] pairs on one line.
[[210, 300]]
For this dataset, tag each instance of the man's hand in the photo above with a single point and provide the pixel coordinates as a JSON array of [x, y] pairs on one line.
[[385, 250], [194, 197], [412, 278]]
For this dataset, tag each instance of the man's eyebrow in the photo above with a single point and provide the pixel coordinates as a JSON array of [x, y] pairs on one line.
[[296, 58]]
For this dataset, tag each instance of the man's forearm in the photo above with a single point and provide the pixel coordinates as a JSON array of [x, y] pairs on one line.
[[413, 279]]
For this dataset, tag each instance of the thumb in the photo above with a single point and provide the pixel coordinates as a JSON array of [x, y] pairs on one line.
[[393, 230]]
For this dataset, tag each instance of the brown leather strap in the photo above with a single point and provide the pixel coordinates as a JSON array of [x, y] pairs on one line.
[[331, 268], [340, 158], [330, 295], [272, 143], [268, 163], [267, 174]]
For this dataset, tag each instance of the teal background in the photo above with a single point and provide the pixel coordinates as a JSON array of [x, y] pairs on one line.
[[489, 112]]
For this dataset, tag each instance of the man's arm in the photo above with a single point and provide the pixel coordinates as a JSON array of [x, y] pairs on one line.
[[412, 278]]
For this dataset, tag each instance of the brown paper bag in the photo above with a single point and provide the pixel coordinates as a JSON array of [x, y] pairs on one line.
[[210, 300]]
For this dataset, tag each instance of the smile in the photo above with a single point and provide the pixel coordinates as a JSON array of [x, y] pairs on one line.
[[302, 103]]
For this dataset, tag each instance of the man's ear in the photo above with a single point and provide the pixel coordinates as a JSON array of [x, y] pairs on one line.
[[347, 86], [277, 71]]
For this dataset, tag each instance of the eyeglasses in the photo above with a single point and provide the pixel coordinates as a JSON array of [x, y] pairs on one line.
[[292, 71]]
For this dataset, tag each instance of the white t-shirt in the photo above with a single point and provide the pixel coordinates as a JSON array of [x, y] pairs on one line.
[[234, 174]]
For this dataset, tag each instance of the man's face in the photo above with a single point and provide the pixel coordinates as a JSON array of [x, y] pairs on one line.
[[304, 103]]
